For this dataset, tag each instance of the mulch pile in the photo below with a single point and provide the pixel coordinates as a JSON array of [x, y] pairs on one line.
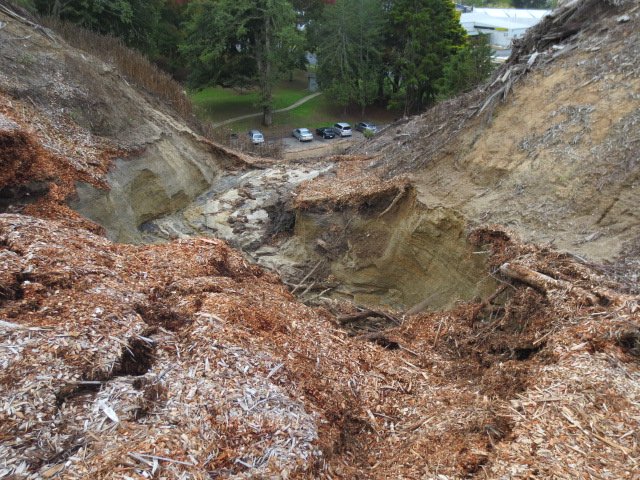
[[355, 181], [184, 361]]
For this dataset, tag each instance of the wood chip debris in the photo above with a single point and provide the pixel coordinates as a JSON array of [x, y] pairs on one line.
[[207, 364]]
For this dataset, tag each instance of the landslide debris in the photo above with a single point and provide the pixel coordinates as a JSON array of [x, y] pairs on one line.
[[549, 146], [182, 359], [115, 153]]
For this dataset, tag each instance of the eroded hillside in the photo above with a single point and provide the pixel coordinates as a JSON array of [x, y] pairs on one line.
[[558, 160], [115, 152], [186, 360]]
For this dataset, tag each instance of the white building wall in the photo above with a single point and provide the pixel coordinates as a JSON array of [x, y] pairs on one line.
[[501, 24]]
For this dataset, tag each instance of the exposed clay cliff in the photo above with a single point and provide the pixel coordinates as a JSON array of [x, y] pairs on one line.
[[550, 146], [120, 156]]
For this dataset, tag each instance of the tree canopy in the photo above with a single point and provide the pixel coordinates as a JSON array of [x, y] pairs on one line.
[[468, 67], [423, 35], [241, 43], [399, 53], [349, 49]]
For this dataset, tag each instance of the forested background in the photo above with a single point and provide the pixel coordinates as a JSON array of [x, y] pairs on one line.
[[403, 54]]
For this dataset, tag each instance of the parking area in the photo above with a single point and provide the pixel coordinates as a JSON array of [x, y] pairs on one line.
[[282, 144], [291, 143], [293, 149]]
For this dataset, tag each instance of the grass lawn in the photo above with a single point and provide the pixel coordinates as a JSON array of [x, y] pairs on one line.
[[317, 112], [216, 103]]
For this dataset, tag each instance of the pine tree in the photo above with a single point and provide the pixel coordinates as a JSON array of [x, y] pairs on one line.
[[241, 43], [349, 48], [422, 35]]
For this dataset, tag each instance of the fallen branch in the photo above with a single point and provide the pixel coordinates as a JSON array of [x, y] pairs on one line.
[[379, 338], [495, 294], [545, 284], [142, 456], [423, 305], [13, 14], [397, 198], [306, 277]]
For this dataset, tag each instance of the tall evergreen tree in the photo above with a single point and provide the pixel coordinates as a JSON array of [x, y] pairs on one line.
[[349, 45], [241, 43], [468, 67], [422, 35]]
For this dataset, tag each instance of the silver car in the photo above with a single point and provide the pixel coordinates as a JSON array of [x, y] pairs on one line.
[[256, 137], [366, 127], [342, 129], [303, 134]]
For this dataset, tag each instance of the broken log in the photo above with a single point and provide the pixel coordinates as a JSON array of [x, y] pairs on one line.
[[379, 338], [545, 283], [306, 277]]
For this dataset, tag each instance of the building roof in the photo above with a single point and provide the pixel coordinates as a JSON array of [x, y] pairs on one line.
[[515, 15], [472, 20]]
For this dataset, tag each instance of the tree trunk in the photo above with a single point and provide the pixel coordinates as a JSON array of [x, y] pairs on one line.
[[56, 9], [381, 78], [264, 68], [267, 115]]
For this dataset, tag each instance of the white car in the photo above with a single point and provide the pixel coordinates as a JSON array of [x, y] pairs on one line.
[[342, 129], [303, 134], [256, 137]]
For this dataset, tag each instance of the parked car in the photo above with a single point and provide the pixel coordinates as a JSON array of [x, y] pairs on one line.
[[325, 132], [366, 126], [303, 134], [256, 137], [342, 129]]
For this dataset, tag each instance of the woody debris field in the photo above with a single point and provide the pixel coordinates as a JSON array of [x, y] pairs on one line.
[[456, 297]]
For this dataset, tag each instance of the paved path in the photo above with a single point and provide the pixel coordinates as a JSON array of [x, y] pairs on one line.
[[251, 115]]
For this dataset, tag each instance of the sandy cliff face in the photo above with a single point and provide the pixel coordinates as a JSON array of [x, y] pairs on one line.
[[558, 159], [132, 158]]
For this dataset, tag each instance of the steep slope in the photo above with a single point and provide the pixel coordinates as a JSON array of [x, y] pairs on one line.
[[132, 158], [184, 360], [548, 148], [558, 160]]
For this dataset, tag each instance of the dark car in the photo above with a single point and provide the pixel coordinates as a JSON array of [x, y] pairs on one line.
[[325, 132], [366, 127]]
